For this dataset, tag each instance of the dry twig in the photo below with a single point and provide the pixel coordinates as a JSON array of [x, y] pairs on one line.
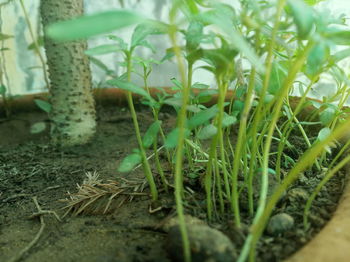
[[39, 214]]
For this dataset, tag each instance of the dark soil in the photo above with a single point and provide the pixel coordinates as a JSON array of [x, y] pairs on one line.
[[31, 167]]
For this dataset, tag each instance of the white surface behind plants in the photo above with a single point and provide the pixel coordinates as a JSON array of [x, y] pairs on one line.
[[22, 78]]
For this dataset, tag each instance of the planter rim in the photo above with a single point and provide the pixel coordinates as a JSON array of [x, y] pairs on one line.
[[332, 243]]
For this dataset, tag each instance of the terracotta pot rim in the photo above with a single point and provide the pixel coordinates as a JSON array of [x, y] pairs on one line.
[[332, 243]]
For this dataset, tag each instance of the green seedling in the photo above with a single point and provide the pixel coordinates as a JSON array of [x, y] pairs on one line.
[[259, 53]]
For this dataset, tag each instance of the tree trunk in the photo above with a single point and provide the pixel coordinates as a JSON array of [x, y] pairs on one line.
[[73, 111]]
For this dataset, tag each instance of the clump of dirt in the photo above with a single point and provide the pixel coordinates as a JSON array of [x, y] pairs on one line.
[[31, 167]]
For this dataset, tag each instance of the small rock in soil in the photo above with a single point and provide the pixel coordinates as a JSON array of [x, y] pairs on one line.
[[174, 221], [280, 223], [206, 244], [298, 194]]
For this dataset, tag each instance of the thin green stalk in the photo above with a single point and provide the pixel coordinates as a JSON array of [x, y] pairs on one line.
[[188, 152], [339, 154], [241, 143], [155, 113], [260, 112], [145, 164], [329, 175], [36, 45], [293, 174], [220, 105], [287, 129], [181, 122], [218, 185], [209, 177], [250, 244]]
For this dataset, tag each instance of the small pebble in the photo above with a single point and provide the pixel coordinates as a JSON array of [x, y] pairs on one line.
[[298, 194], [280, 223], [206, 244]]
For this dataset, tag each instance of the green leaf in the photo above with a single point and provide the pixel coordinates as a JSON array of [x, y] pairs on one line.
[[327, 115], [194, 35], [37, 127], [340, 55], [5, 36], [278, 74], [207, 132], [237, 106], [102, 66], [324, 133], [102, 49], [172, 138], [228, 120], [40, 42], [130, 162], [193, 108], [177, 83], [224, 16], [338, 37], [130, 87], [317, 58], [206, 96], [303, 17], [173, 101], [268, 98], [151, 134], [3, 90], [145, 29], [313, 2], [91, 25], [202, 117], [200, 86], [121, 43], [43, 105]]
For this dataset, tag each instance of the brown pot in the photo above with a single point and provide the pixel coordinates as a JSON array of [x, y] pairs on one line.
[[331, 244]]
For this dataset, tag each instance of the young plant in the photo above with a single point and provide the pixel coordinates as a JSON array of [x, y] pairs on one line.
[[262, 54]]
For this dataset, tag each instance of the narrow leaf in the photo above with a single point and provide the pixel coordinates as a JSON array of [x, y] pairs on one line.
[[102, 49], [91, 25], [129, 87], [172, 138], [228, 120], [145, 29], [327, 115], [130, 162], [324, 133], [207, 132], [5, 36], [151, 134], [202, 117], [37, 127], [316, 58], [2, 90], [303, 17], [43, 105]]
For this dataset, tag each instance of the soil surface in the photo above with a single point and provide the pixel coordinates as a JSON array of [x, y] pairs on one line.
[[31, 167]]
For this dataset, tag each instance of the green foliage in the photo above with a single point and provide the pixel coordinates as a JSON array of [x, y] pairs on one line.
[[151, 134], [43, 105], [128, 86], [202, 117], [91, 25], [130, 162], [303, 17], [261, 51], [207, 132], [5, 36]]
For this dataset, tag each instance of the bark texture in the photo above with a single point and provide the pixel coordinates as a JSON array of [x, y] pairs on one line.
[[73, 111]]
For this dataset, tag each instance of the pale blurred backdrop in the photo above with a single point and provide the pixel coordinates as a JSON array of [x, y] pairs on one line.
[[22, 66]]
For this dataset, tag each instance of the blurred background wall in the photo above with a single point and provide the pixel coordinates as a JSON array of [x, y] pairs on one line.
[[22, 67]]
